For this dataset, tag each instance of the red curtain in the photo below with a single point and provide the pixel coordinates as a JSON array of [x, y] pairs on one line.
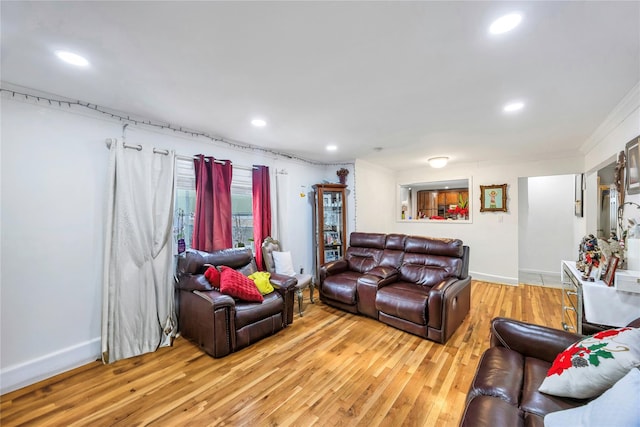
[[212, 222], [261, 209]]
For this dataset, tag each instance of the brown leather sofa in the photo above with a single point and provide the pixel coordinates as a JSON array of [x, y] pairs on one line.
[[418, 284], [218, 323], [504, 391]]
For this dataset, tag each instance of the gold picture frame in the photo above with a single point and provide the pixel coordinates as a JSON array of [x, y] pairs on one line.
[[493, 198]]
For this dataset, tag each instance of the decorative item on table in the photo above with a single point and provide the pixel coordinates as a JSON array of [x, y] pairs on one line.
[[609, 274], [461, 210], [589, 255], [609, 248], [342, 175]]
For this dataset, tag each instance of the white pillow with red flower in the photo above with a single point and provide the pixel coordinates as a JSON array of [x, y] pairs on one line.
[[593, 364]]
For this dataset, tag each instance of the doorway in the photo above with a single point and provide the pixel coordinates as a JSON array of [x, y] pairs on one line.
[[546, 228]]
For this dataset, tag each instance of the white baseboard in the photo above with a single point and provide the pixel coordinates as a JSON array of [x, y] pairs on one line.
[[34, 370], [543, 272], [494, 279]]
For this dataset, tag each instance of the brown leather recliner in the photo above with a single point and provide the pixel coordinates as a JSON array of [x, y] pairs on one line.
[[504, 391], [418, 284], [218, 323]]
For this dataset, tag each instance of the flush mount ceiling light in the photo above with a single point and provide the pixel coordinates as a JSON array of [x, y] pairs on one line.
[[505, 23], [331, 148], [259, 123], [438, 162], [513, 107], [72, 58]]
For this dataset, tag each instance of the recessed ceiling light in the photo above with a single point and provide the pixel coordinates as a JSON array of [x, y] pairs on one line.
[[505, 23], [512, 107], [438, 162], [72, 58], [331, 148], [259, 123]]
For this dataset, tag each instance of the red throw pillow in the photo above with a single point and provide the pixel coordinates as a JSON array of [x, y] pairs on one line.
[[213, 276], [238, 285]]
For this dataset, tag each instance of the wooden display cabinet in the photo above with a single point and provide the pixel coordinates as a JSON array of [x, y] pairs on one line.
[[330, 222]]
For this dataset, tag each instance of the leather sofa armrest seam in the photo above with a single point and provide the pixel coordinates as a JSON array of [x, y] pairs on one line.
[[216, 299], [531, 340]]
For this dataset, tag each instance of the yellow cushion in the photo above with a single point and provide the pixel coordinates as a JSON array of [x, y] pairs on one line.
[[261, 279]]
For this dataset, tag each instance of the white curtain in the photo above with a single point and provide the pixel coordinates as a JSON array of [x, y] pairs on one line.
[[138, 313]]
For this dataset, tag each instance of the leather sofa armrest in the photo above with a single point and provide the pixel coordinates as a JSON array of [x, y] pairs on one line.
[[283, 282], [379, 276], [333, 267], [285, 286], [216, 299], [208, 319], [439, 296], [193, 282], [530, 340]]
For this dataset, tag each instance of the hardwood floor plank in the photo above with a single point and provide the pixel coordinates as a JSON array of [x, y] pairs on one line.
[[329, 368]]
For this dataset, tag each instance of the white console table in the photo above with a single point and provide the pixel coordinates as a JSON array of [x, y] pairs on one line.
[[594, 301]]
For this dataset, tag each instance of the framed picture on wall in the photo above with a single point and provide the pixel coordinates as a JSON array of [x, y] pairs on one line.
[[632, 172], [493, 198], [578, 194]]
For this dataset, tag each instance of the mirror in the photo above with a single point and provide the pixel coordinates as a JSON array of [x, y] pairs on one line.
[[607, 202], [435, 201]]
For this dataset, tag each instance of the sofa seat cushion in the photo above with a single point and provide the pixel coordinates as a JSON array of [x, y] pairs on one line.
[[535, 402], [341, 287], [404, 300], [251, 312]]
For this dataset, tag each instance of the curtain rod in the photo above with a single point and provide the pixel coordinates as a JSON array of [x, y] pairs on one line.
[[138, 147]]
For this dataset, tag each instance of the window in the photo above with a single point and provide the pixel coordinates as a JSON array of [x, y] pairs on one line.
[[440, 200], [242, 208], [185, 204]]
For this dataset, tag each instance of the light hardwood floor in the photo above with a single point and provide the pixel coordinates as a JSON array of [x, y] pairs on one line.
[[329, 368]]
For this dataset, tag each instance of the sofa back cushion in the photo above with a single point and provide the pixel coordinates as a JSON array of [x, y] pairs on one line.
[[365, 251], [367, 240], [191, 265], [393, 251], [428, 261]]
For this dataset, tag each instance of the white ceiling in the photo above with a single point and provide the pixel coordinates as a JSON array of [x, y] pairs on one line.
[[416, 79]]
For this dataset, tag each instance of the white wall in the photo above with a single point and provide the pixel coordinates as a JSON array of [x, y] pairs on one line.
[[54, 167], [374, 209], [53, 170], [546, 223], [492, 236]]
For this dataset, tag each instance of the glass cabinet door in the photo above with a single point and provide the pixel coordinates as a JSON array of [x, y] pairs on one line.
[[330, 222]]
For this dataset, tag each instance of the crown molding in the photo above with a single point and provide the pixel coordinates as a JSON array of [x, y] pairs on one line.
[[625, 107]]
